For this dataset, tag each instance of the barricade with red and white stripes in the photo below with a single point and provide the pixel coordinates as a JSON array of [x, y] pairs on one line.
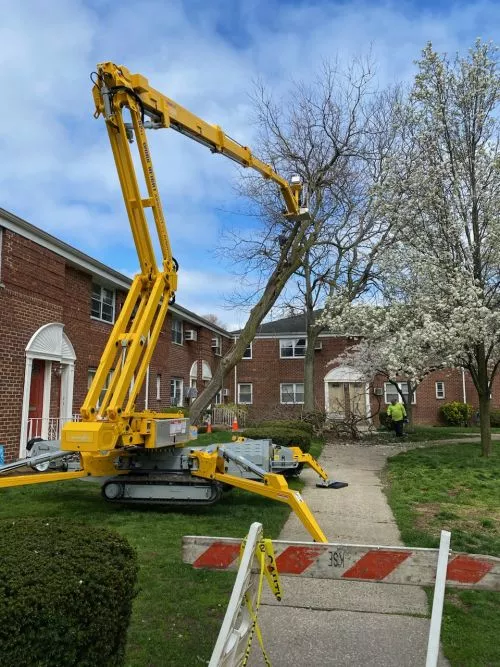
[[356, 562], [392, 565]]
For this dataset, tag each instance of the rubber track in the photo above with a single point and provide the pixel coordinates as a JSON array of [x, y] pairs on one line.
[[163, 479]]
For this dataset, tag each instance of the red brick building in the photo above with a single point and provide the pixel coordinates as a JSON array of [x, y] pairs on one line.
[[270, 379], [58, 306]]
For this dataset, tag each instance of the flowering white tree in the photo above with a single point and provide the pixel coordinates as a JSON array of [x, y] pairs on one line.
[[443, 195], [409, 333]]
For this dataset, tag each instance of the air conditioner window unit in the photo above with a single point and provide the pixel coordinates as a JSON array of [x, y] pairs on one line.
[[190, 334]]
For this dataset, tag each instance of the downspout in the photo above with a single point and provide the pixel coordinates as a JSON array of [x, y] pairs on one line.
[[463, 386], [235, 384]]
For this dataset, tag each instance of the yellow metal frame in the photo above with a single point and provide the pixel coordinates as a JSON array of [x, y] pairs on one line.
[[114, 422], [109, 427], [310, 461], [211, 466]]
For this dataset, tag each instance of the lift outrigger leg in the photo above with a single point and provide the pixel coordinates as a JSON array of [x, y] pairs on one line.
[[211, 466]]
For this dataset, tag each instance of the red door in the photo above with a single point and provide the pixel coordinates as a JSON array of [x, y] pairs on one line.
[[36, 398]]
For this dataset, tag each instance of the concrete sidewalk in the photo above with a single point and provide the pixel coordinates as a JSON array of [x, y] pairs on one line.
[[325, 622]]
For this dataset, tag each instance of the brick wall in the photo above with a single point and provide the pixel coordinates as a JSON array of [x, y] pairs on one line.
[[40, 287], [266, 371]]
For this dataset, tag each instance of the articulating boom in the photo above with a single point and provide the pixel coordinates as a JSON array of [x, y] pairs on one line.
[[114, 423], [141, 459]]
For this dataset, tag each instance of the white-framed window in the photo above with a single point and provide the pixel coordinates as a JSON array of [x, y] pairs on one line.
[[440, 393], [177, 331], [291, 392], [391, 393], [102, 306], [90, 377], [292, 348], [158, 386], [217, 344], [247, 354], [176, 391], [245, 392]]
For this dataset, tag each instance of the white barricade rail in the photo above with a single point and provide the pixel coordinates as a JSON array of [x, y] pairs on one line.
[[348, 562], [256, 562], [392, 565]]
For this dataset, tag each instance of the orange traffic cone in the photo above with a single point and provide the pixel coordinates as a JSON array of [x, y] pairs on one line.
[[209, 426], [235, 423]]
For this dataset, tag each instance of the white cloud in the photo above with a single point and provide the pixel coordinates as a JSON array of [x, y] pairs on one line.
[[57, 169]]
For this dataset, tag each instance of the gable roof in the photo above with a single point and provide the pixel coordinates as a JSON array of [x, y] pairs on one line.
[[287, 326]]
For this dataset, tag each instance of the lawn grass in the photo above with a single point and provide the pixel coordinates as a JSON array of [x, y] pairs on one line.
[[429, 433], [178, 611], [453, 487]]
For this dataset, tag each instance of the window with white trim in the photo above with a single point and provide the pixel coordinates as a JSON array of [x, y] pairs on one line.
[[440, 390], [90, 379], [291, 393], [102, 305], [391, 393], [177, 331], [292, 348], [245, 393], [176, 391], [158, 387], [217, 344], [247, 354]]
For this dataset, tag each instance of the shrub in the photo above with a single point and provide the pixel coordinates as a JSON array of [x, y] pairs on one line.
[[385, 420], [66, 594], [280, 436], [317, 419], [495, 417], [174, 410], [456, 413], [293, 424]]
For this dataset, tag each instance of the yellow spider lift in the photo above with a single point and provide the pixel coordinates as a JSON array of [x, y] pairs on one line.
[[143, 456]]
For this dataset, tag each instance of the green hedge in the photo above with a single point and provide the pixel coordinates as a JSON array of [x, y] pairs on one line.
[[289, 424], [456, 413], [66, 594], [280, 436], [174, 410], [495, 417]]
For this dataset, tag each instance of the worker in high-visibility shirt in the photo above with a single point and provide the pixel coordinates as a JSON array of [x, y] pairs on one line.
[[397, 413]]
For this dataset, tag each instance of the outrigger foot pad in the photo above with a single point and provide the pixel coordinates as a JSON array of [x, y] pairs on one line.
[[332, 485]]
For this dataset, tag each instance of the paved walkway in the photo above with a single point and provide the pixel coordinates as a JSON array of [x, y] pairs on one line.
[[324, 622]]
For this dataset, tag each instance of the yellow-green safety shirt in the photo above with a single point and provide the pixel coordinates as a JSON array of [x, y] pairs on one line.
[[397, 412]]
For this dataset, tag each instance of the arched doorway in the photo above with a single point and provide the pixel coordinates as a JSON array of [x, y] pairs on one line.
[[346, 392], [48, 381]]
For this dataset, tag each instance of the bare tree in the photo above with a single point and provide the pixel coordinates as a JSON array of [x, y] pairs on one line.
[[329, 133], [338, 135], [215, 319]]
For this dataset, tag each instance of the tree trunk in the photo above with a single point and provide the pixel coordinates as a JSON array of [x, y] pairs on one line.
[[484, 420], [482, 384], [290, 259], [409, 405]]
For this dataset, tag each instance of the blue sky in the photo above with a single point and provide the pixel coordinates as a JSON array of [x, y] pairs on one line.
[[56, 165]]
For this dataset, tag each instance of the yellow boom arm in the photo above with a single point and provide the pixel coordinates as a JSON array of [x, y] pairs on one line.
[[113, 422]]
